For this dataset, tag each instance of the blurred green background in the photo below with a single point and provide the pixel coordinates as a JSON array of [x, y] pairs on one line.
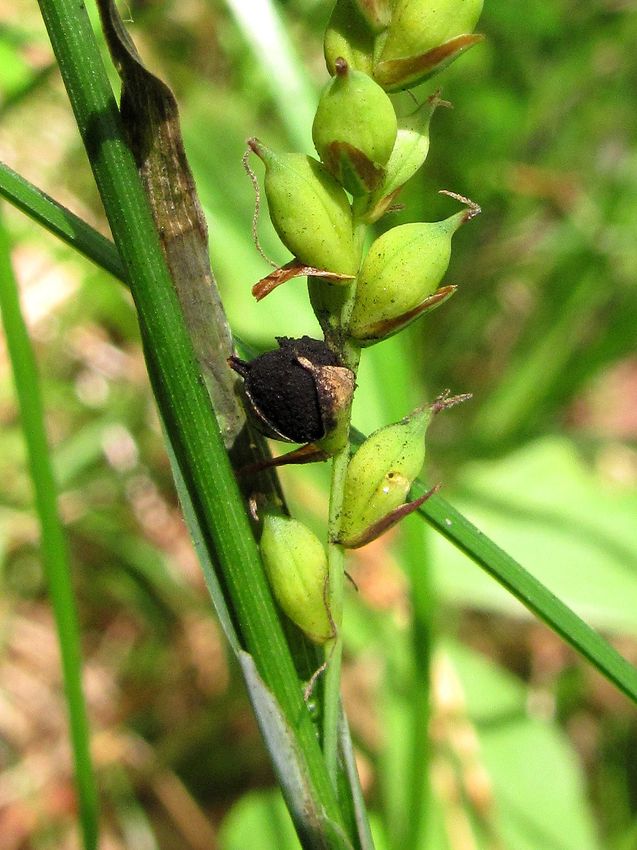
[[531, 751]]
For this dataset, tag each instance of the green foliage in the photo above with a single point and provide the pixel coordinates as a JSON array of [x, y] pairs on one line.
[[541, 331]]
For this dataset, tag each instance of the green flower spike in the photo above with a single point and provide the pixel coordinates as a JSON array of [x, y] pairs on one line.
[[349, 36], [398, 278], [354, 129], [424, 37], [296, 566], [379, 477], [407, 157], [309, 210]]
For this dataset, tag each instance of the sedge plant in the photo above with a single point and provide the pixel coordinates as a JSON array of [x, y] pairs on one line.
[[323, 209]]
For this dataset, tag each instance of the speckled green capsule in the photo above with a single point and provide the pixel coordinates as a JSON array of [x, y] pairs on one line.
[[296, 566], [380, 475], [403, 267], [354, 129], [310, 211], [424, 36]]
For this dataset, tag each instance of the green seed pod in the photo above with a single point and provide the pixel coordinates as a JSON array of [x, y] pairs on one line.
[[354, 129], [407, 156], [309, 210], [296, 566], [402, 269], [349, 36], [424, 36], [380, 475]]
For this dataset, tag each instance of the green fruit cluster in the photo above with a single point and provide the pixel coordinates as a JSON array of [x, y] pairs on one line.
[[320, 209]]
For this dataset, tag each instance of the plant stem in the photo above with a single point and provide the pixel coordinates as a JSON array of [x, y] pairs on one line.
[[418, 565], [350, 357], [334, 647], [55, 556]]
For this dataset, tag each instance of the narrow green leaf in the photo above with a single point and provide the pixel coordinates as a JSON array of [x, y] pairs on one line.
[[55, 555], [529, 591], [60, 221]]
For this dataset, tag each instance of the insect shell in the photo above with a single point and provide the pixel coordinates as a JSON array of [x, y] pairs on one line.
[[296, 392]]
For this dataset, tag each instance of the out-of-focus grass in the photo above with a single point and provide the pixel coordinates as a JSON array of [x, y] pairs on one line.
[[541, 331]]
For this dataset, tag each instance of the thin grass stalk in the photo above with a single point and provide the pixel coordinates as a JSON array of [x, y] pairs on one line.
[[53, 545], [421, 594]]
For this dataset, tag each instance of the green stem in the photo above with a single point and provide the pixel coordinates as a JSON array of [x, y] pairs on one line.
[[336, 580], [350, 356], [55, 557], [422, 637]]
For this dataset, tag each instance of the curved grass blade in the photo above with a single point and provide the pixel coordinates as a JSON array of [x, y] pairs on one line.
[[530, 592], [537, 598], [55, 556], [60, 221]]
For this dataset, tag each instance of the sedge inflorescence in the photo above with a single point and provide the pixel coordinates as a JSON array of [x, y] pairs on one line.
[[321, 208]]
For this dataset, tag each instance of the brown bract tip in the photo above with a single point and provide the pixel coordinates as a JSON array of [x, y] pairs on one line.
[[389, 521], [341, 67], [445, 400], [254, 144], [239, 366]]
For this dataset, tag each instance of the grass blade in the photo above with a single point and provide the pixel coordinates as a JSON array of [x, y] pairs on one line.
[[55, 557], [537, 598], [529, 591], [60, 221]]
